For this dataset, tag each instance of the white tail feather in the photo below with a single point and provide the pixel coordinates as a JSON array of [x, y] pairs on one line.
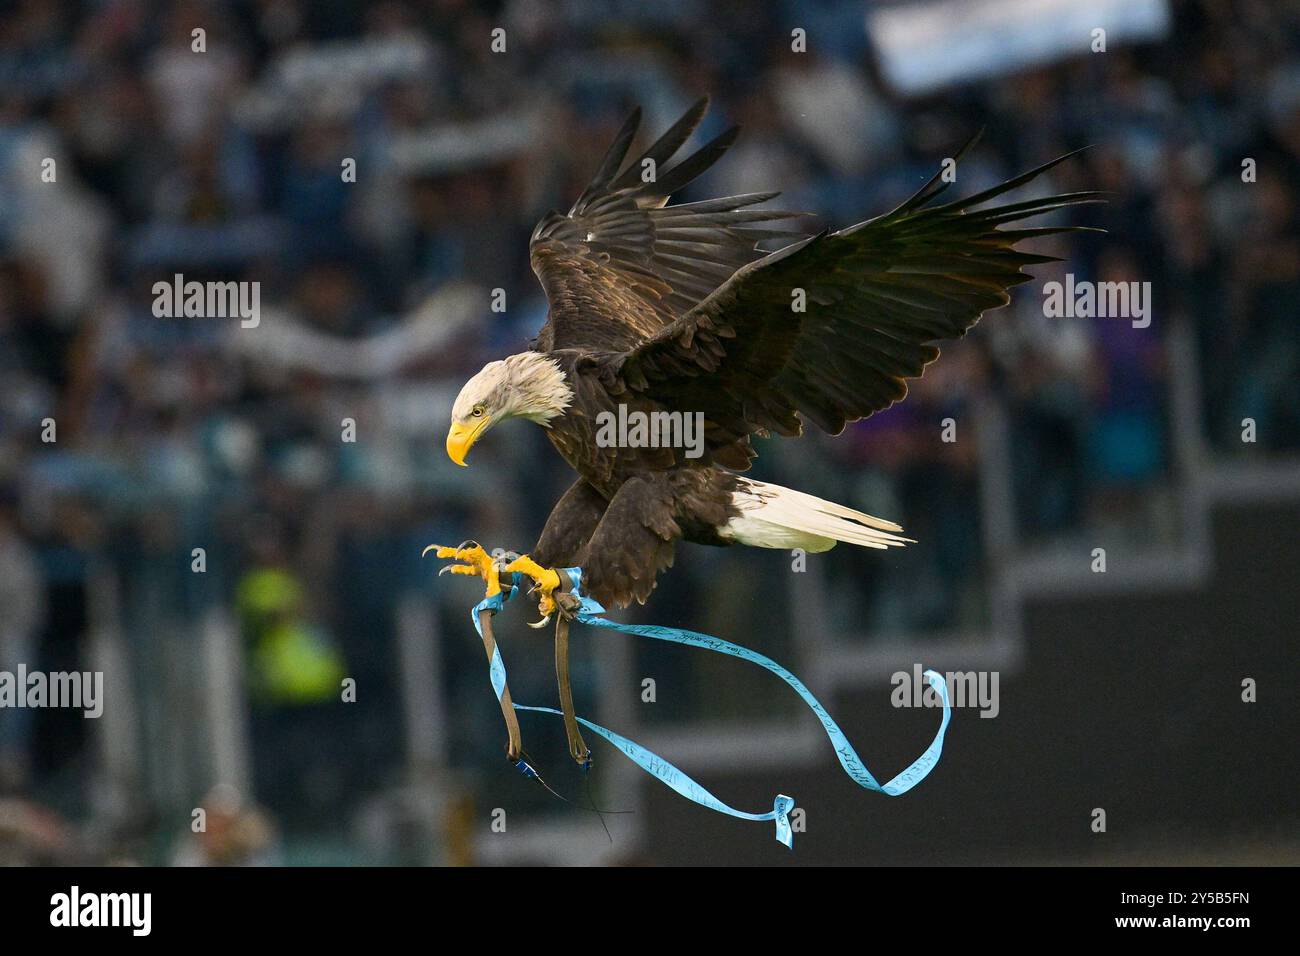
[[775, 517]]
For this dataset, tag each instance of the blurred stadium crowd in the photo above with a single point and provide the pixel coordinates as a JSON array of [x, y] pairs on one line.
[[174, 434]]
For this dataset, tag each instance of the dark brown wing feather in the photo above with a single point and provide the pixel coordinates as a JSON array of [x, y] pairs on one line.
[[878, 295], [622, 264], [633, 542], [572, 521], [646, 517]]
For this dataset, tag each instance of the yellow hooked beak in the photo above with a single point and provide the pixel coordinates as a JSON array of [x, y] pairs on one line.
[[462, 437]]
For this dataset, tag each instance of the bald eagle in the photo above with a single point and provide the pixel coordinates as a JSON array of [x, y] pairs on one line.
[[658, 308]]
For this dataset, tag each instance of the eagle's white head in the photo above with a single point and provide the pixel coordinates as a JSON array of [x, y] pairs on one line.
[[528, 385]]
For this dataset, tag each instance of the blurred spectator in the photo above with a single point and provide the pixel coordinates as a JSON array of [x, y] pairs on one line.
[[294, 675], [232, 833], [32, 835], [22, 610]]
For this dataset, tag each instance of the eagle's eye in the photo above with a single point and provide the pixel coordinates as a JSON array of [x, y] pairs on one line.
[[478, 411]]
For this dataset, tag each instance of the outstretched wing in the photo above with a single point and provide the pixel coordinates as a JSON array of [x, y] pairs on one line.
[[875, 297], [622, 264]]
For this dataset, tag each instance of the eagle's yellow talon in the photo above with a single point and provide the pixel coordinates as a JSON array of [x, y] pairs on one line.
[[477, 562], [546, 580]]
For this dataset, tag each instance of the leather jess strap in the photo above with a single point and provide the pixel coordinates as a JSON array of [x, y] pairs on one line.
[[577, 746], [515, 743]]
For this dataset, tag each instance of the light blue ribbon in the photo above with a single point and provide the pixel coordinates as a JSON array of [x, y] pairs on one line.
[[670, 776], [588, 613]]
